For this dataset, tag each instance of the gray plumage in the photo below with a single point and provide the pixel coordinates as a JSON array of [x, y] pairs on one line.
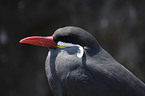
[[97, 73]]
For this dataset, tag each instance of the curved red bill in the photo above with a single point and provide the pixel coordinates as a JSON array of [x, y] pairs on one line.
[[40, 41]]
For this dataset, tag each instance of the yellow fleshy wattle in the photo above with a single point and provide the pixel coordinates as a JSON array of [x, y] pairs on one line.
[[61, 46]]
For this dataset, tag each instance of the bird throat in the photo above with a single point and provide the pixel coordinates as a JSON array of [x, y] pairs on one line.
[[80, 51]]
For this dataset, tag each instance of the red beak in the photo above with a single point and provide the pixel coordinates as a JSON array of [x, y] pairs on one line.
[[40, 41]]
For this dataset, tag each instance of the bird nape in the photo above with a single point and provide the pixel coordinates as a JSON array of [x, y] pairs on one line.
[[77, 65]]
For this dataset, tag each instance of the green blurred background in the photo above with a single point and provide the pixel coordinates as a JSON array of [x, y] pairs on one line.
[[118, 25]]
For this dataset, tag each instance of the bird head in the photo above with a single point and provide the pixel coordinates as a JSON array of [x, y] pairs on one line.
[[64, 37]]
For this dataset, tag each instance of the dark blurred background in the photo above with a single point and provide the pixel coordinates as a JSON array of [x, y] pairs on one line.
[[118, 25]]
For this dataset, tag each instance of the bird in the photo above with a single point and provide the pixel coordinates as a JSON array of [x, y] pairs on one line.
[[77, 65]]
